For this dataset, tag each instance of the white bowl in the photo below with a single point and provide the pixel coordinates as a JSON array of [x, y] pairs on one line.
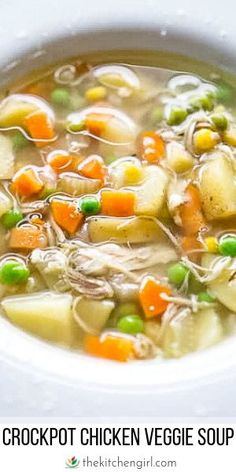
[[38, 379]]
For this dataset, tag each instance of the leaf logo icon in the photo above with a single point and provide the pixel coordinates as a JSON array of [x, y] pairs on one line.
[[72, 463]]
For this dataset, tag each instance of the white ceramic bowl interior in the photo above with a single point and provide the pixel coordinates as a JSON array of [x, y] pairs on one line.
[[38, 379]]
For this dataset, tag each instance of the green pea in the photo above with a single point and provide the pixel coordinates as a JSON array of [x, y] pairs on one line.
[[60, 97], [19, 141], [220, 121], [76, 127], [176, 116], [177, 273], [224, 93], [205, 297], [227, 246], [13, 272], [205, 102], [89, 205], [131, 324], [11, 218]]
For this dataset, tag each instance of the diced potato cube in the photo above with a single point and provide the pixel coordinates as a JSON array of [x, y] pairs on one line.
[[45, 314], [179, 160], [178, 338], [13, 112], [6, 158], [218, 188], [151, 194], [224, 286], [77, 185], [92, 315], [208, 328], [123, 230]]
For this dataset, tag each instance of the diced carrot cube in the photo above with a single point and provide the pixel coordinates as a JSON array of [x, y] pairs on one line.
[[39, 126], [27, 238], [66, 215], [93, 167], [110, 347], [150, 296], [118, 203], [27, 182]]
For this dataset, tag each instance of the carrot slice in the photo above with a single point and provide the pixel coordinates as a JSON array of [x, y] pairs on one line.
[[151, 146], [27, 237], [93, 167], [96, 122], [117, 203], [110, 347], [62, 162], [27, 182], [39, 126], [66, 215], [191, 212], [190, 244], [150, 296]]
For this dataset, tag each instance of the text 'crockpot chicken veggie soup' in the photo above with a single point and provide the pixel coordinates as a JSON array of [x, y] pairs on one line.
[[118, 207]]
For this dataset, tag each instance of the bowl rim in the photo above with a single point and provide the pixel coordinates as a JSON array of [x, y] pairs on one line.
[[28, 352]]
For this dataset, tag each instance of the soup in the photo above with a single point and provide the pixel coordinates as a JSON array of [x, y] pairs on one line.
[[118, 206]]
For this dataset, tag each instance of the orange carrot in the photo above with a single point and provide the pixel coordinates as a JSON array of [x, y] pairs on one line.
[[117, 202], [151, 146], [66, 215], [27, 182], [150, 297], [93, 167], [191, 212], [62, 162], [116, 348], [189, 245], [39, 126], [96, 122], [27, 238]]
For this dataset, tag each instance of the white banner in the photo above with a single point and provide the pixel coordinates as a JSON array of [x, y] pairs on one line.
[[111, 446]]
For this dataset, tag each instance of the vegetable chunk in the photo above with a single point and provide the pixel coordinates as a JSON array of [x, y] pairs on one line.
[[44, 314], [218, 189], [123, 230], [117, 203], [150, 296], [66, 215], [110, 347]]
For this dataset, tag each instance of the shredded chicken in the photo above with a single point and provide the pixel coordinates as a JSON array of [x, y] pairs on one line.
[[51, 265], [145, 348], [95, 287]]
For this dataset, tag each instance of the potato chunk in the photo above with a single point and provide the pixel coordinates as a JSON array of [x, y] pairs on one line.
[[218, 189], [7, 159], [151, 194], [123, 230], [77, 185], [92, 315], [44, 314], [224, 286], [192, 332]]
